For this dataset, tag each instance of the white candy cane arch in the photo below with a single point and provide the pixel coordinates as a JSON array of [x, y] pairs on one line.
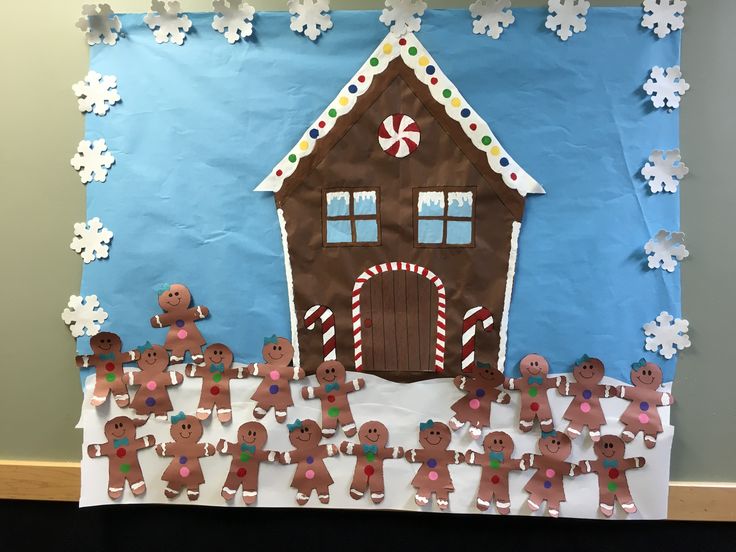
[[324, 315], [470, 322], [439, 353]]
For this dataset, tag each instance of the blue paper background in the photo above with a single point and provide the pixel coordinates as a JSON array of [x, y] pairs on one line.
[[200, 125]]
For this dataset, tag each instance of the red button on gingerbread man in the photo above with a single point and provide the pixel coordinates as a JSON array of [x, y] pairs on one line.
[[274, 391], [153, 378], [180, 318], [216, 373], [108, 360], [333, 393], [481, 390], [533, 385]]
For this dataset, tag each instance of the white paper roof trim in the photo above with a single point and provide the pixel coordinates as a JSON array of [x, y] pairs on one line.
[[442, 90]]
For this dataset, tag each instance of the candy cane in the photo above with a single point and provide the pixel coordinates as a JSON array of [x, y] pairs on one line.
[[471, 319], [326, 316]]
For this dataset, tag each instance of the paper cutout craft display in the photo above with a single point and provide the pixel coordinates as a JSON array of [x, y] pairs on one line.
[[664, 170], [92, 161], [153, 379], [551, 465], [91, 239], [433, 475], [248, 452], [216, 373], [667, 335], [665, 249], [121, 449], [533, 386], [481, 389], [310, 17], [83, 315], [610, 466], [496, 464], [587, 392], [642, 415], [491, 17], [184, 470], [96, 93], [663, 16], [666, 87], [406, 16], [311, 473], [274, 391], [107, 359], [233, 19], [99, 24], [332, 392], [183, 336], [164, 20], [567, 17]]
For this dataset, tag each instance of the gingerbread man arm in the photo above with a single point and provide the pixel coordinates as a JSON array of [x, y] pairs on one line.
[[102, 449], [267, 456], [607, 391], [170, 377], [195, 371], [129, 377], [313, 393], [325, 451], [295, 373], [517, 464], [164, 449], [293, 456], [350, 448], [665, 399], [226, 447], [255, 369], [163, 320], [453, 457], [132, 356], [499, 396], [198, 313], [463, 383], [354, 385], [511, 383], [474, 458], [633, 463], [572, 469], [391, 452], [551, 383], [529, 459], [205, 449], [418, 455], [568, 389], [85, 361], [237, 373], [144, 442], [589, 466], [627, 392]]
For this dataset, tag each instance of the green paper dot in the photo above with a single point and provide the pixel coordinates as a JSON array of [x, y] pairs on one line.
[[332, 112], [217, 377], [374, 62], [110, 377], [612, 486], [292, 157], [370, 457], [495, 464], [244, 457], [447, 92], [412, 51], [532, 391], [125, 468], [333, 412], [486, 140]]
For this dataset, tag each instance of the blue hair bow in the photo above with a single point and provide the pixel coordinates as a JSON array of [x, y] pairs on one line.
[[176, 418], [145, 347], [483, 365], [582, 359], [546, 434], [273, 339], [296, 425], [426, 425], [162, 288], [640, 364]]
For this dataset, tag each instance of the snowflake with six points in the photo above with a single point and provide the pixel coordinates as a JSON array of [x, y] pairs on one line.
[[663, 16], [99, 24], [92, 160], [404, 14], [308, 17], [567, 17], [233, 20], [493, 16], [666, 86], [668, 335], [665, 249], [664, 171], [83, 315], [168, 21], [91, 239], [96, 93]]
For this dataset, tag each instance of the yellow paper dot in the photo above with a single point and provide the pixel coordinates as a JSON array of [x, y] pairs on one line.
[[387, 48], [455, 102], [304, 144], [423, 61], [495, 150], [343, 100]]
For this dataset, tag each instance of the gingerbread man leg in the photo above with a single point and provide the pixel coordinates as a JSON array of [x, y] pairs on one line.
[[302, 496], [116, 485], [475, 431], [193, 493], [99, 395], [553, 507], [280, 415], [545, 417], [627, 435], [422, 496], [135, 480], [230, 487], [224, 409], [595, 433], [625, 499], [329, 424], [485, 493], [376, 486], [347, 422], [650, 439], [178, 350], [606, 504], [206, 404], [323, 493], [173, 488], [455, 424], [120, 393], [260, 411], [503, 502], [196, 353], [359, 485], [443, 499], [534, 502], [574, 430], [526, 420]]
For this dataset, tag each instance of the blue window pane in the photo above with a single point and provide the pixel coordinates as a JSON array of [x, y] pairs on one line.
[[338, 231], [338, 204], [460, 204], [459, 232], [431, 204], [364, 203], [366, 231], [430, 231]]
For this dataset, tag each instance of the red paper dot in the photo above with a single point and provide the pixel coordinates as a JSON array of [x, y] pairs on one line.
[[109, 366], [613, 473], [402, 41], [513, 176], [433, 80], [279, 172], [495, 479], [241, 472], [121, 452], [361, 78], [331, 398], [215, 390], [534, 406], [368, 470], [321, 124], [473, 126]]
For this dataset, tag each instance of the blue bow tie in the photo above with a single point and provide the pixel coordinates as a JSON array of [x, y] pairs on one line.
[[217, 368], [498, 456], [332, 387], [120, 442], [108, 356], [370, 449], [610, 463], [248, 448], [539, 380]]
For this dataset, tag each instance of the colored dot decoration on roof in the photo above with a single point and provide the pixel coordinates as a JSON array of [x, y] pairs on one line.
[[465, 113], [343, 101], [495, 150], [473, 126], [279, 172], [303, 144], [412, 51], [321, 124], [361, 78], [423, 61], [373, 61], [433, 80], [292, 157], [513, 176], [430, 69], [504, 162], [402, 41], [313, 133], [387, 48], [455, 102], [446, 93], [332, 112], [352, 89]]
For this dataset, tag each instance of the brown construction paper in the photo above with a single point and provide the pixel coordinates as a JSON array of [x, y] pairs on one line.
[[533, 385], [480, 386], [153, 378], [180, 318], [216, 372], [108, 359]]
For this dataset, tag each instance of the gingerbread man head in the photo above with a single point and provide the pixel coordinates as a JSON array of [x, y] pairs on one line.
[[174, 297], [373, 433], [533, 365], [646, 374], [330, 371], [253, 434], [588, 371], [498, 443], [105, 343], [610, 447], [277, 350], [122, 427], [185, 429], [304, 434], [555, 445], [434, 435], [219, 355], [489, 373], [154, 358]]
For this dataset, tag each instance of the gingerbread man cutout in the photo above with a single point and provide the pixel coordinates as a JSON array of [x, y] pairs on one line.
[[121, 449], [641, 415], [585, 409], [247, 453], [180, 318], [184, 471], [274, 391], [153, 378], [370, 454], [496, 464], [547, 483], [433, 475], [533, 385], [108, 360], [216, 373], [611, 467], [311, 473], [333, 393], [481, 390]]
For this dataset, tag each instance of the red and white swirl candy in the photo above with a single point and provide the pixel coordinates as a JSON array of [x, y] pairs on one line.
[[398, 135]]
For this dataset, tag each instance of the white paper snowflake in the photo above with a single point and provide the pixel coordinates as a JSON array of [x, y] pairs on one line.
[[170, 24], [233, 19], [308, 17], [666, 86], [668, 336], [404, 14], [96, 93], [81, 315], [92, 160], [91, 239], [567, 17], [100, 24], [665, 249], [663, 16], [664, 170], [493, 16]]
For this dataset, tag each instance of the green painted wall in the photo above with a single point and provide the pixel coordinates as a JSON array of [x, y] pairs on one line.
[[42, 54]]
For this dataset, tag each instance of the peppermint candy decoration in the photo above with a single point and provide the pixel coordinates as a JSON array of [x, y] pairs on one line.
[[398, 135]]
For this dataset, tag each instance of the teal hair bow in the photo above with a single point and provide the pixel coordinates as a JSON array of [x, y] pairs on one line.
[[217, 368], [539, 380], [296, 425], [546, 434], [483, 365], [162, 288], [640, 364], [610, 463], [144, 347], [245, 447], [274, 339], [120, 442], [176, 418], [108, 356], [498, 456], [370, 449], [332, 387], [582, 359], [426, 425]]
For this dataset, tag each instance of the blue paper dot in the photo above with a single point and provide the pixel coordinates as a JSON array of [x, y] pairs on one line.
[[182, 459], [432, 462], [352, 89], [504, 162], [273, 389], [465, 112], [150, 401], [310, 460], [644, 406], [587, 394], [430, 69], [314, 133], [547, 484], [480, 393], [179, 323]]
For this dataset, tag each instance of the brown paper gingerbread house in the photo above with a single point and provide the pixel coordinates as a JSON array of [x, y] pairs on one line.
[[400, 214]]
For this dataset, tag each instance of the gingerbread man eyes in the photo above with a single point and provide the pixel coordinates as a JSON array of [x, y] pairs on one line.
[[251, 433], [277, 347], [498, 441], [176, 293], [186, 426], [303, 429], [607, 445]]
